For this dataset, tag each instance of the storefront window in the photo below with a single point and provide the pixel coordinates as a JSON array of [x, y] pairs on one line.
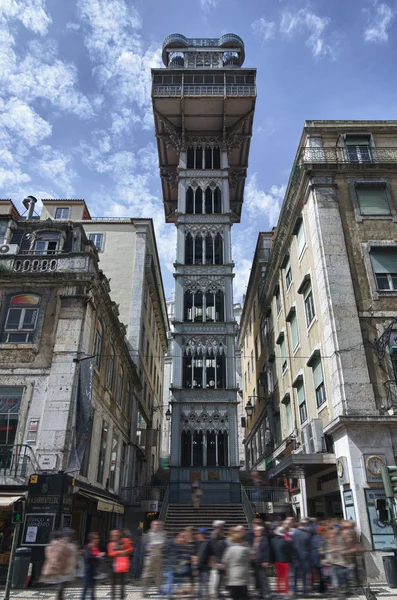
[[10, 403]]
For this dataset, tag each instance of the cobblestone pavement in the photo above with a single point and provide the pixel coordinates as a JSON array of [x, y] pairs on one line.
[[134, 593]]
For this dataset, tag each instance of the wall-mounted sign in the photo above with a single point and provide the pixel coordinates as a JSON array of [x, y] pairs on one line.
[[37, 529], [342, 470], [372, 465], [150, 505], [47, 462], [382, 534]]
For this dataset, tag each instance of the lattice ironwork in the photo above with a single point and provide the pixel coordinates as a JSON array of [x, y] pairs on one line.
[[382, 342]]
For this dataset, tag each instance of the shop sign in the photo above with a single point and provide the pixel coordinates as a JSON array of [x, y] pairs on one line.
[[43, 503], [382, 534], [47, 462], [150, 505]]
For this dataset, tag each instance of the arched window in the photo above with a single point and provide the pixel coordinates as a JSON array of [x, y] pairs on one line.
[[223, 449], [208, 157], [209, 249], [199, 158], [98, 343], [110, 368], [216, 159], [218, 246], [204, 307], [190, 158], [47, 242], [217, 201], [21, 319], [204, 371], [189, 249], [208, 201], [198, 201], [198, 250], [189, 201]]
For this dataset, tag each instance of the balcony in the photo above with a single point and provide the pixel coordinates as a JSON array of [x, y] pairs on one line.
[[17, 461], [32, 261], [358, 156], [276, 495], [203, 90]]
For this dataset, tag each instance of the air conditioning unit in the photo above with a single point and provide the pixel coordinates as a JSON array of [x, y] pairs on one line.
[[313, 437], [10, 249]]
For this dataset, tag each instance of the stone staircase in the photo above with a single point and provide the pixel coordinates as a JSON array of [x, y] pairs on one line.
[[180, 516]]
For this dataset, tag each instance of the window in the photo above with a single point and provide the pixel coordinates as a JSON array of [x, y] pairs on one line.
[[46, 243], [384, 265], [274, 375], [249, 372], [288, 275], [62, 213], [252, 361], [3, 231], [98, 343], [147, 355], [10, 404], [372, 199], [142, 340], [309, 304], [113, 462], [300, 391], [293, 323], [300, 236], [358, 148], [120, 387], [21, 319], [256, 348], [318, 380], [87, 451], [245, 380], [98, 239], [283, 355], [288, 414], [102, 452], [254, 311], [278, 300], [110, 368], [250, 325]]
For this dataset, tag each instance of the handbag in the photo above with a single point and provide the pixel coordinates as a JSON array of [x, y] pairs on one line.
[[121, 564]]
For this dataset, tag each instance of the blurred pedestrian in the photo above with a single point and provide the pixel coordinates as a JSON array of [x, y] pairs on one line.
[[236, 561], [197, 492], [217, 547], [60, 561], [301, 541], [281, 545], [203, 564], [129, 545], [119, 553], [155, 541], [260, 561], [92, 556]]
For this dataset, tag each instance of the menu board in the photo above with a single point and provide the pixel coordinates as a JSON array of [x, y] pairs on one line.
[[37, 529]]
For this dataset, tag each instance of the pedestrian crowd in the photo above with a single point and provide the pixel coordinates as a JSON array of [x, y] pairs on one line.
[[304, 557]]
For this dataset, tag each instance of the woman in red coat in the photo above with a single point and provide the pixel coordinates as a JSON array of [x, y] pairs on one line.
[[119, 553]]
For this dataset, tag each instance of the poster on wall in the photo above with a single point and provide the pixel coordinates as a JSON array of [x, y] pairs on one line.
[[382, 534]]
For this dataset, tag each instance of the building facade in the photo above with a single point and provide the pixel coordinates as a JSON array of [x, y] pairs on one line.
[[69, 390], [329, 326], [128, 256], [203, 104]]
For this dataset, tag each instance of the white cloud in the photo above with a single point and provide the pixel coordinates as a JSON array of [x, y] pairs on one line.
[[304, 20], [207, 5], [55, 166], [379, 21], [31, 13], [21, 120], [263, 207], [264, 30]]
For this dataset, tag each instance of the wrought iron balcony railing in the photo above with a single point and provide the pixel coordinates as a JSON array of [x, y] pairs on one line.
[[17, 461], [267, 494], [355, 155], [391, 394]]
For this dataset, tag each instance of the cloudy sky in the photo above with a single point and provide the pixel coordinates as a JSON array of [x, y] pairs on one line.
[[75, 110]]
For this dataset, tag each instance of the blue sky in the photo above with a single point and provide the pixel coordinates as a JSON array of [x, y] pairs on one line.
[[75, 109]]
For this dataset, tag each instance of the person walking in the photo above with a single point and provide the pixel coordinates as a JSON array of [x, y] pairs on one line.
[[281, 546], [119, 554], [197, 492], [129, 545], [91, 555], [216, 550], [260, 560], [60, 561], [236, 561], [203, 564], [301, 542], [153, 560]]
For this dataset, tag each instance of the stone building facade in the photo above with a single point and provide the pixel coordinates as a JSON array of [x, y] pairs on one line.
[[69, 390], [203, 104], [128, 256], [328, 321]]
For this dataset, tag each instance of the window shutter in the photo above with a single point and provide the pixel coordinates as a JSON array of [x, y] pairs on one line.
[[317, 373], [373, 200], [294, 331], [300, 390], [384, 260], [300, 238]]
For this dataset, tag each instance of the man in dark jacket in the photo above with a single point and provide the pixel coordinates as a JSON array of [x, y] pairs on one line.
[[302, 544], [260, 561], [216, 548], [203, 563]]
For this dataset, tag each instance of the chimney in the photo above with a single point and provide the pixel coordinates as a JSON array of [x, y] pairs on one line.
[[29, 203]]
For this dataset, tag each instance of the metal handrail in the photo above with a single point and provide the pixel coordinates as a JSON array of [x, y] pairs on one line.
[[15, 462], [248, 509], [204, 90], [277, 495], [391, 393]]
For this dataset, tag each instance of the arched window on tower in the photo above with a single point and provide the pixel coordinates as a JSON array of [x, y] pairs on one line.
[[200, 307], [216, 158], [212, 202], [198, 250], [209, 249], [190, 158], [186, 449], [208, 201], [189, 242], [189, 201], [218, 245], [198, 201], [204, 371], [217, 201]]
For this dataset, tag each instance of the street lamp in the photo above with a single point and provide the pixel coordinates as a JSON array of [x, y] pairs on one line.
[[168, 414], [249, 409]]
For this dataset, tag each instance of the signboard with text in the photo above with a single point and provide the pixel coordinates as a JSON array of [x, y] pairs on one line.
[[382, 534]]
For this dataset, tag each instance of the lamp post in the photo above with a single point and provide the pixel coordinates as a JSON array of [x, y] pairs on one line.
[[249, 409]]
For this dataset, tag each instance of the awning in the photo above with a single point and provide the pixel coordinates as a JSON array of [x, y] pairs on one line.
[[104, 504], [302, 465], [10, 500]]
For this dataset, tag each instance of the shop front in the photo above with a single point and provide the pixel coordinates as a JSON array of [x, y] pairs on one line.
[[7, 500]]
